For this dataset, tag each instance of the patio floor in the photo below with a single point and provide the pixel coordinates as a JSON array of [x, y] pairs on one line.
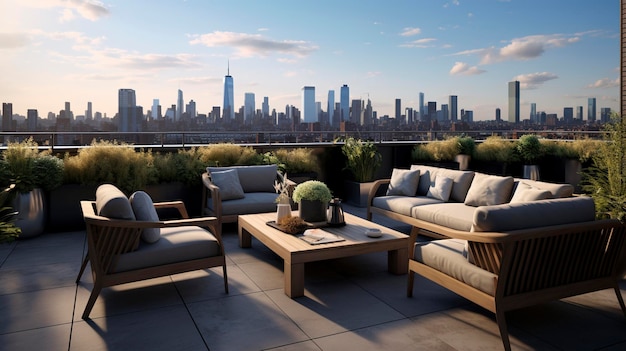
[[349, 304]]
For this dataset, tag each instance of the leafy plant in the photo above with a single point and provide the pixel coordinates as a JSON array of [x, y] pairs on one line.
[[439, 150], [495, 149], [605, 180], [111, 162], [312, 190], [27, 168], [226, 154], [299, 160], [466, 145], [48, 172], [181, 166], [363, 159], [529, 148], [8, 230]]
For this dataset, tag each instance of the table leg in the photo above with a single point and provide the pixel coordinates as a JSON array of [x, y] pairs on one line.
[[245, 238], [294, 279], [398, 261]]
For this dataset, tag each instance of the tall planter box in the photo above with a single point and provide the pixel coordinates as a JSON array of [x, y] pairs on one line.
[[191, 195], [356, 193], [64, 213]]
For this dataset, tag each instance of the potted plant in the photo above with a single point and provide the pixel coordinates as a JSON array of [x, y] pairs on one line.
[[466, 147], [362, 161], [312, 197], [8, 230], [494, 155], [530, 151], [34, 174]]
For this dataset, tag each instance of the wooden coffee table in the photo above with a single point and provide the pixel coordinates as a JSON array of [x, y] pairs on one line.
[[296, 252]]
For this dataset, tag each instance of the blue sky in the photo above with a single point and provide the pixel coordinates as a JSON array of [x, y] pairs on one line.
[[562, 52]]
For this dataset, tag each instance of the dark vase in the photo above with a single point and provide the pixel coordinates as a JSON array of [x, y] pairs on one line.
[[312, 210]]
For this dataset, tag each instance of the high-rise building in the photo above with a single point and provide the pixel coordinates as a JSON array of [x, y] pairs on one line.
[[331, 108], [533, 113], [249, 107], [368, 114], [180, 105], [309, 110], [128, 112], [453, 108], [228, 108], [579, 113], [265, 107], [357, 112], [31, 119], [421, 108], [445, 112], [568, 115], [605, 114], [190, 109], [431, 114], [398, 110], [345, 103], [68, 111], [591, 109], [89, 112], [155, 109], [514, 102], [498, 115], [7, 117]]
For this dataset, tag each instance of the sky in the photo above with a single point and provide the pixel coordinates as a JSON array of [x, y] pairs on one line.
[[561, 51]]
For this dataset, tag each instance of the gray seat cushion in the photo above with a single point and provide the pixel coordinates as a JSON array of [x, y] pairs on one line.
[[175, 245], [447, 256], [402, 204], [557, 190], [451, 215], [251, 203]]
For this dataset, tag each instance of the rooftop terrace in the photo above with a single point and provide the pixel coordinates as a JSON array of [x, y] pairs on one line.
[[349, 304]]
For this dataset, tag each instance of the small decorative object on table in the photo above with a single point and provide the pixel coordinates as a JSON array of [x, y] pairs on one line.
[[283, 209], [290, 225]]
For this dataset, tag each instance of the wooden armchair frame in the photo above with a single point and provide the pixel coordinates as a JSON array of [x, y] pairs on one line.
[[537, 265], [108, 239]]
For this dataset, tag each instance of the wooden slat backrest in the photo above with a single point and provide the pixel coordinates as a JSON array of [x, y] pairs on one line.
[[487, 256], [562, 256]]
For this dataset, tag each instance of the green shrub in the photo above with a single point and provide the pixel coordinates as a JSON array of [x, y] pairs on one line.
[[495, 149], [529, 148], [363, 159], [226, 154]]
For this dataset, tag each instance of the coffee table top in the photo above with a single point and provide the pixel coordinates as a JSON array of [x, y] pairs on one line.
[[356, 241]]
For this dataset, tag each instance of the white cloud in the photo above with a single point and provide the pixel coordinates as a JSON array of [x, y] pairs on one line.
[[88, 9], [534, 80], [248, 45], [410, 31], [463, 69], [14, 40], [605, 83], [420, 43], [520, 49]]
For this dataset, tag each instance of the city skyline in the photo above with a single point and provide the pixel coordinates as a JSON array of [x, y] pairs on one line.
[[85, 51]]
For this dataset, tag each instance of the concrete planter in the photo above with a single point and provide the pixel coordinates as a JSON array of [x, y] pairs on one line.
[[356, 193], [31, 213]]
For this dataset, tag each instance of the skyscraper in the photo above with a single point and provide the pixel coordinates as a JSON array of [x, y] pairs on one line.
[[7, 116], [309, 111], [331, 107], [421, 108], [265, 107], [533, 113], [190, 109], [155, 109], [514, 102], [345, 103], [398, 110], [127, 111], [249, 107], [180, 105], [591, 109], [68, 111], [453, 108], [31, 119], [228, 108], [579, 113], [89, 112]]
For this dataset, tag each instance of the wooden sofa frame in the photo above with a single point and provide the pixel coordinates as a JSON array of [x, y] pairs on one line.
[[107, 239], [537, 265]]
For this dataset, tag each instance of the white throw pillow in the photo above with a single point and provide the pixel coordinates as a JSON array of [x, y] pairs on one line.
[[441, 189], [228, 182], [525, 193], [403, 182], [487, 190], [144, 210]]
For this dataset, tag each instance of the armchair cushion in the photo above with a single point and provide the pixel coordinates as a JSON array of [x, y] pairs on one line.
[[177, 244], [112, 203], [228, 182], [144, 210], [440, 189], [403, 182]]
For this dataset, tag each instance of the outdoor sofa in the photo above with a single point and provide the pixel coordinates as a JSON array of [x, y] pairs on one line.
[[508, 243]]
